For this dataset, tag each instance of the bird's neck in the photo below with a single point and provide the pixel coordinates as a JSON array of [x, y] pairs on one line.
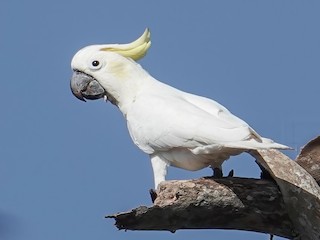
[[132, 84]]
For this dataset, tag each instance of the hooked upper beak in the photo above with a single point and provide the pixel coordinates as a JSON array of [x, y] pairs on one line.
[[84, 86]]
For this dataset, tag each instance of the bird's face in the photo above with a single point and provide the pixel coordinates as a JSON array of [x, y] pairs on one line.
[[94, 73], [106, 70]]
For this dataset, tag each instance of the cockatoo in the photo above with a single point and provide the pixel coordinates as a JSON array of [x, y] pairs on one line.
[[173, 127]]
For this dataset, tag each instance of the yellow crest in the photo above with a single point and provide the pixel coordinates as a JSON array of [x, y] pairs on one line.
[[135, 50]]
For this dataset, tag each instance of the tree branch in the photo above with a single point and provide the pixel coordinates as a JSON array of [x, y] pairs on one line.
[[288, 207], [228, 203], [300, 191]]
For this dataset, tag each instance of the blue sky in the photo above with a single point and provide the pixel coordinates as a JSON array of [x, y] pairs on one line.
[[66, 164]]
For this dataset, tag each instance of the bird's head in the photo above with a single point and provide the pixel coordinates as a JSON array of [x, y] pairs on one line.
[[108, 70]]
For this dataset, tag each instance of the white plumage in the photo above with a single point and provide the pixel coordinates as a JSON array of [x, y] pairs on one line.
[[174, 127]]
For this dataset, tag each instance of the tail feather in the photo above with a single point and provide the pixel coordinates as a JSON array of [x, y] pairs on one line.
[[240, 145], [275, 145]]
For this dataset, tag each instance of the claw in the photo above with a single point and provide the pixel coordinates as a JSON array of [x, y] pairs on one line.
[[231, 173], [153, 195]]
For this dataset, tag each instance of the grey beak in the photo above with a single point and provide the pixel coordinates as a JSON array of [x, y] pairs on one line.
[[84, 86]]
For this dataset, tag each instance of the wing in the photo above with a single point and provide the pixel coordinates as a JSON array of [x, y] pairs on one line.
[[159, 122], [222, 113]]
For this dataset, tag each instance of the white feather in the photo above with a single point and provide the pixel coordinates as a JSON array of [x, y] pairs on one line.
[[174, 127]]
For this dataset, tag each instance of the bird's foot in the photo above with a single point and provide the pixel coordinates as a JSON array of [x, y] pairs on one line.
[[230, 174], [217, 173], [153, 195], [264, 173]]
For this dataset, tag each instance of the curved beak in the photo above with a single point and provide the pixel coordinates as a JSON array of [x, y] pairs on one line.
[[84, 86]]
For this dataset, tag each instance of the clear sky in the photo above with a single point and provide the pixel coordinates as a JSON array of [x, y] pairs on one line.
[[66, 164]]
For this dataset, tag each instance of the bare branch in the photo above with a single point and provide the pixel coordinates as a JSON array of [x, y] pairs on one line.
[[228, 203], [288, 207], [309, 158], [300, 191]]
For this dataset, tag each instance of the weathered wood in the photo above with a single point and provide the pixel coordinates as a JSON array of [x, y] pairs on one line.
[[300, 191], [227, 203], [288, 207], [309, 158]]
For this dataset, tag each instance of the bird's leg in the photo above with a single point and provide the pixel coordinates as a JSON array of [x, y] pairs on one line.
[[159, 167], [264, 173], [217, 173]]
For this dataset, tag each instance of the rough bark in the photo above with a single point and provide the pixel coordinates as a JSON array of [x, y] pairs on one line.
[[227, 203], [309, 158], [289, 206], [300, 191]]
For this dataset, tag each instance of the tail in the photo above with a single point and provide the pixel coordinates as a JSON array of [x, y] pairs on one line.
[[273, 145], [241, 146], [252, 144]]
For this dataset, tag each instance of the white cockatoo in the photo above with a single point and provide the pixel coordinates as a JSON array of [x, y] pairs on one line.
[[173, 127]]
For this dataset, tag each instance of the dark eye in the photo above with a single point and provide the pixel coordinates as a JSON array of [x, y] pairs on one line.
[[95, 63]]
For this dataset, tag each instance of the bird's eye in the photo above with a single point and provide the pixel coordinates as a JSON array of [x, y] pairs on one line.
[[95, 63]]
